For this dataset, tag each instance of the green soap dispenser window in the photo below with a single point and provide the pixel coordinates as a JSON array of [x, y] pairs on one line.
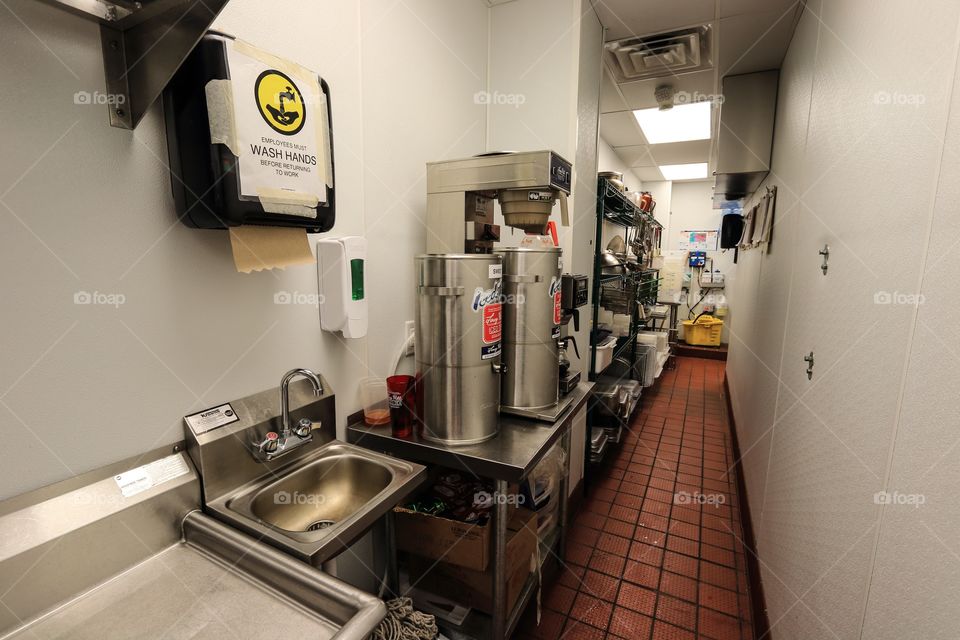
[[356, 278]]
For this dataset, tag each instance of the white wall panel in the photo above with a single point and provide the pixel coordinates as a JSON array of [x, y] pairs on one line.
[[761, 295], [829, 456], [857, 125], [917, 568], [411, 118], [90, 210]]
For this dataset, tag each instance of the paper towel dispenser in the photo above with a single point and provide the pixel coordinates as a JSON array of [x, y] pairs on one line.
[[249, 136]]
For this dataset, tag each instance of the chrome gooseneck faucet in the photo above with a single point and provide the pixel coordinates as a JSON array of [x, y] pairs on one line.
[[285, 429], [274, 444]]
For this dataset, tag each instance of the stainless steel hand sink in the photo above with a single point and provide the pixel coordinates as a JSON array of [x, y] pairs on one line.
[[312, 499], [319, 495], [319, 504]]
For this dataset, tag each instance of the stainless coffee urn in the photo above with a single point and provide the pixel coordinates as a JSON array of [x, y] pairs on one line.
[[458, 346], [531, 330]]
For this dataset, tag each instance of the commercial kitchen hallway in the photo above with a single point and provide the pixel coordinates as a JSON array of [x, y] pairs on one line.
[[656, 551]]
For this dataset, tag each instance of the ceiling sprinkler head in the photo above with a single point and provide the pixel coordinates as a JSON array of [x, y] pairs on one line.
[[664, 96]]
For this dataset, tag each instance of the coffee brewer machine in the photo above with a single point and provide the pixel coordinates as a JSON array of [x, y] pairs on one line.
[[460, 222], [574, 293], [460, 195]]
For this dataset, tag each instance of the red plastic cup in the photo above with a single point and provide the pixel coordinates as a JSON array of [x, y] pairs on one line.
[[401, 398]]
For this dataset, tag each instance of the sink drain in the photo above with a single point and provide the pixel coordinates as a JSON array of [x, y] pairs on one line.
[[320, 525]]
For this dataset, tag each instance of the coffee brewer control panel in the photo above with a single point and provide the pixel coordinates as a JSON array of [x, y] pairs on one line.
[[574, 291], [561, 173]]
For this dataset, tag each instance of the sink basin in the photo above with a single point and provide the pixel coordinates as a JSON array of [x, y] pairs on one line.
[[322, 502], [321, 494]]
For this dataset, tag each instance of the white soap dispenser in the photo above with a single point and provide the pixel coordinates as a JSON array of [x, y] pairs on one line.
[[340, 280]]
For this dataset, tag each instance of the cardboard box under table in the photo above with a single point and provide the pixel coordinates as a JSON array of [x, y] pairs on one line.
[[455, 542], [452, 558]]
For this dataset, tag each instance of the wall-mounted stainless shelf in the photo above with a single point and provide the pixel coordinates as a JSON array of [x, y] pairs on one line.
[[144, 43]]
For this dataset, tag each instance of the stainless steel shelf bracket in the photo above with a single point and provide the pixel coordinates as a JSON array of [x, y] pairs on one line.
[[144, 43]]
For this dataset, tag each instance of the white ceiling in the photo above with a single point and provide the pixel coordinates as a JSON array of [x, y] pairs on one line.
[[748, 36]]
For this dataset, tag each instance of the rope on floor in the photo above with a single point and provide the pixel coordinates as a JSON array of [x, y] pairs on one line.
[[405, 623]]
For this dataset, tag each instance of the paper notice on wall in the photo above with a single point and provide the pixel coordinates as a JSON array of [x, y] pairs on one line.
[[258, 248], [281, 130], [698, 240], [150, 475]]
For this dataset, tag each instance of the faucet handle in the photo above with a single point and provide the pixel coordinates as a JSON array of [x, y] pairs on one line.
[[270, 442], [304, 427]]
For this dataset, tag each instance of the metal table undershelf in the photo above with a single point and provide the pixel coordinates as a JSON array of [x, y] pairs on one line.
[[509, 457]]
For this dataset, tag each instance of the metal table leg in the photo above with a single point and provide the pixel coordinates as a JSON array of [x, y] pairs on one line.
[[393, 574], [500, 612], [564, 494]]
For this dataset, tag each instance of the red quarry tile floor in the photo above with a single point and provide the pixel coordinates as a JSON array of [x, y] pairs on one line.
[[656, 551]]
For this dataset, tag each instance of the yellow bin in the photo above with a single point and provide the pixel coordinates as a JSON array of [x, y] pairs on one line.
[[703, 332]]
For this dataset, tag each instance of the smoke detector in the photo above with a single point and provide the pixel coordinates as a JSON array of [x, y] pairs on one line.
[[662, 54], [664, 96]]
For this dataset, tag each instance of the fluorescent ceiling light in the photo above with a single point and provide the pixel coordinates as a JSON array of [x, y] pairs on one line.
[[682, 122], [684, 171]]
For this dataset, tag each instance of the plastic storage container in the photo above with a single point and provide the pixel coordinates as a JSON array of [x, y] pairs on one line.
[[621, 324], [648, 371], [702, 332], [546, 520], [655, 338], [373, 396], [605, 353], [544, 479]]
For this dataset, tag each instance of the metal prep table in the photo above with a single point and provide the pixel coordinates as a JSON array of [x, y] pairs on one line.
[[509, 457]]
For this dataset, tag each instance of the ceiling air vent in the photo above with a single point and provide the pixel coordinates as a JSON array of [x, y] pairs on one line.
[[659, 55]]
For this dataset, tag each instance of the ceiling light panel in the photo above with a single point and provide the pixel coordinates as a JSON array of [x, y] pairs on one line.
[[694, 171], [681, 123]]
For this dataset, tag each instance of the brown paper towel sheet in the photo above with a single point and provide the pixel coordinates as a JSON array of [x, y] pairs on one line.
[[257, 248]]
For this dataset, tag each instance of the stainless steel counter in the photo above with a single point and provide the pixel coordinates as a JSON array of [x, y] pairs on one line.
[[510, 456], [84, 560], [179, 593]]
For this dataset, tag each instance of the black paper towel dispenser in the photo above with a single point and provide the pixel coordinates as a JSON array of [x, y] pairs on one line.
[[731, 230], [250, 141]]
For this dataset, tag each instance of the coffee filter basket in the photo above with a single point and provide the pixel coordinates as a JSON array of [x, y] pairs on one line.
[[529, 209]]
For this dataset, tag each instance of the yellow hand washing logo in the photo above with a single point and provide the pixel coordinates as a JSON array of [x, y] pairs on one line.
[[280, 102]]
